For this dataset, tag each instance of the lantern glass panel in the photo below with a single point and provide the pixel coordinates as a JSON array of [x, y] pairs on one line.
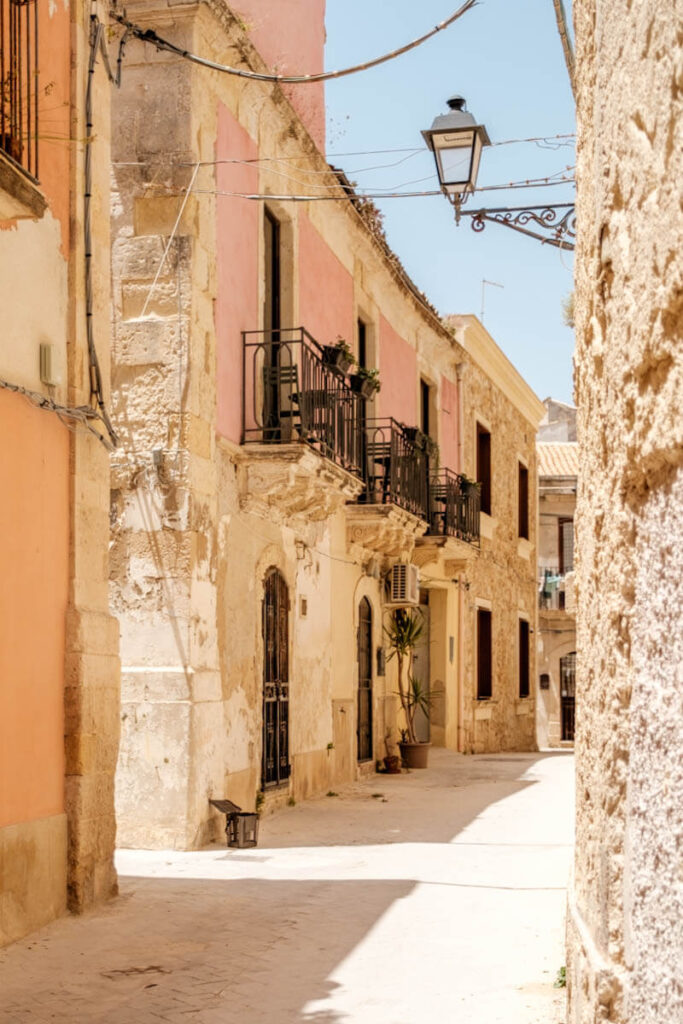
[[454, 155]]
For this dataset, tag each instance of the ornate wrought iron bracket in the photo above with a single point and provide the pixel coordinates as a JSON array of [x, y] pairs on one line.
[[560, 227]]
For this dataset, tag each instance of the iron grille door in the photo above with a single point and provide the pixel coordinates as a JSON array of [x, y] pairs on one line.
[[364, 726], [275, 767], [568, 694]]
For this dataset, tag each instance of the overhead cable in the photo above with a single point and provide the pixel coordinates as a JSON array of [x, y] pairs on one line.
[[151, 37]]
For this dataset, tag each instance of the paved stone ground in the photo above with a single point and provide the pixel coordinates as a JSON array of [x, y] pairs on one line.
[[430, 898]]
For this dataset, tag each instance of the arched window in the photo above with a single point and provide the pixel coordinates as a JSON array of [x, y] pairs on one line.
[[275, 625]]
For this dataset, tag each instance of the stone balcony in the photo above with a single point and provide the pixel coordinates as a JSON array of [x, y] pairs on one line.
[[281, 481]]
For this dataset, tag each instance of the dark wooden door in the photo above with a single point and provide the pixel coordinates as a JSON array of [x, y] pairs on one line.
[[275, 766], [568, 694], [364, 726]]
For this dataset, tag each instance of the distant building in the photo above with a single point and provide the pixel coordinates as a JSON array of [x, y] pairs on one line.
[[557, 473], [559, 422]]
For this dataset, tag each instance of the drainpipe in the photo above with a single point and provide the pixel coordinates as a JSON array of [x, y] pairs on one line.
[[459, 372]]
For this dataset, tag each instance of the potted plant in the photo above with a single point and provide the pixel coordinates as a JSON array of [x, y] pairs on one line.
[[392, 762], [338, 357], [467, 486], [365, 382], [403, 635], [414, 435]]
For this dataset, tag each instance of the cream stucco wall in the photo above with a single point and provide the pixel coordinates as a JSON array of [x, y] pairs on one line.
[[625, 930]]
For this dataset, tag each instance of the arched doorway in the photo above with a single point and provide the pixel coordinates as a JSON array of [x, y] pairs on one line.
[[364, 714], [275, 625], [568, 694]]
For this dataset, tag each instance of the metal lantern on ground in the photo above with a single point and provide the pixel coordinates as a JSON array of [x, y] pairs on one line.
[[456, 141]]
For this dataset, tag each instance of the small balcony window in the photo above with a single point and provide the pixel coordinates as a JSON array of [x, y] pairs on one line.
[[19, 83]]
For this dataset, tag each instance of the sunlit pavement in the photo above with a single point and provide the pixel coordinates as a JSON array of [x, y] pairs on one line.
[[436, 896]]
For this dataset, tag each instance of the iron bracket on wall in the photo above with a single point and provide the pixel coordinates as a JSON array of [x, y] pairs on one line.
[[559, 227]]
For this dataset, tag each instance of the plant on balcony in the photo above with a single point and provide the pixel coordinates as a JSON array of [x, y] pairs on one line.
[[468, 486], [431, 449], [338, 357], [365, 382], [403, 635]]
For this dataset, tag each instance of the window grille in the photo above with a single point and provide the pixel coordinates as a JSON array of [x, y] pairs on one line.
[[19, 83]]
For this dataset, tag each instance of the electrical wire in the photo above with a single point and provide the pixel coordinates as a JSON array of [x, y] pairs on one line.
[[170, 242], [152, 38], [82, 415], [97, 46]]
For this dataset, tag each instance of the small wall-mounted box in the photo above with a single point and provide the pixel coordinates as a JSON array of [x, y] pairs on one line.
[[47, 368]]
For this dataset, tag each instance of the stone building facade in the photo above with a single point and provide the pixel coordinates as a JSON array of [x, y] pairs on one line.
[[625, 926], [59, 671], [557, 481], [500, 414], [259, 506]]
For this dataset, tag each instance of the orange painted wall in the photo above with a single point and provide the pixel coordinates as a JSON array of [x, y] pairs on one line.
[[34, 552]]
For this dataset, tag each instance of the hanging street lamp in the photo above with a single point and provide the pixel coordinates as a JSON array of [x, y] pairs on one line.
[[457, 140]]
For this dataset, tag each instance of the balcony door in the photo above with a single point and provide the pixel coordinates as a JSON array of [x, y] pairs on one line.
[[275, 626], [364, 716], [272, 290]]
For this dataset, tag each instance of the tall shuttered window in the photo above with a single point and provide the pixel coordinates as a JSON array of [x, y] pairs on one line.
[[523, 658], [484, 467], [523, 500], [484, 655], [566, 545]]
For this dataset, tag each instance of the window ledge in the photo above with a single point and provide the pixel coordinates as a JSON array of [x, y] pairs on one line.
[[524, 548], [487, 526], [20, 198]]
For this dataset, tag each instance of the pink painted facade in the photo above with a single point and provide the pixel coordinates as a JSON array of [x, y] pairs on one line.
[[326, 306], [398, 372], [237, 257], [290, 36], [449, 424]]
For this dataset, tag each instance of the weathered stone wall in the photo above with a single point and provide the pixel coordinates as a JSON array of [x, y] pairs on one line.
[[625, 928]]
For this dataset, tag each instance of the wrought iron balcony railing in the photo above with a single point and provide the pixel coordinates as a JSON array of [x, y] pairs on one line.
[[551, 587], [397, 471], [290, 394], [453, 506], [19, 83]]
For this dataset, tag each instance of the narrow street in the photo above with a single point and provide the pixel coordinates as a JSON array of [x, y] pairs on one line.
[[437, 896]]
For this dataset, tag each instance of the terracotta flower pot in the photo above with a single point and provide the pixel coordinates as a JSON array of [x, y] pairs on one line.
[[392, 765], [415, 755]]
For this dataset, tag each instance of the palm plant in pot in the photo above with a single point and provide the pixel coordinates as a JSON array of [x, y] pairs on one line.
[[403, 635]]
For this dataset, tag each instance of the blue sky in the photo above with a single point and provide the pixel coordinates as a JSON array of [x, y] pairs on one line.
[[506, 58]]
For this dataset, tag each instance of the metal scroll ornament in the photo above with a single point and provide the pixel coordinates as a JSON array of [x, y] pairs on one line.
[[557, 222]]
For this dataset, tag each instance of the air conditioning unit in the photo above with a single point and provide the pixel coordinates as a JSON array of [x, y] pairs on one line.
[[404, 584]]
